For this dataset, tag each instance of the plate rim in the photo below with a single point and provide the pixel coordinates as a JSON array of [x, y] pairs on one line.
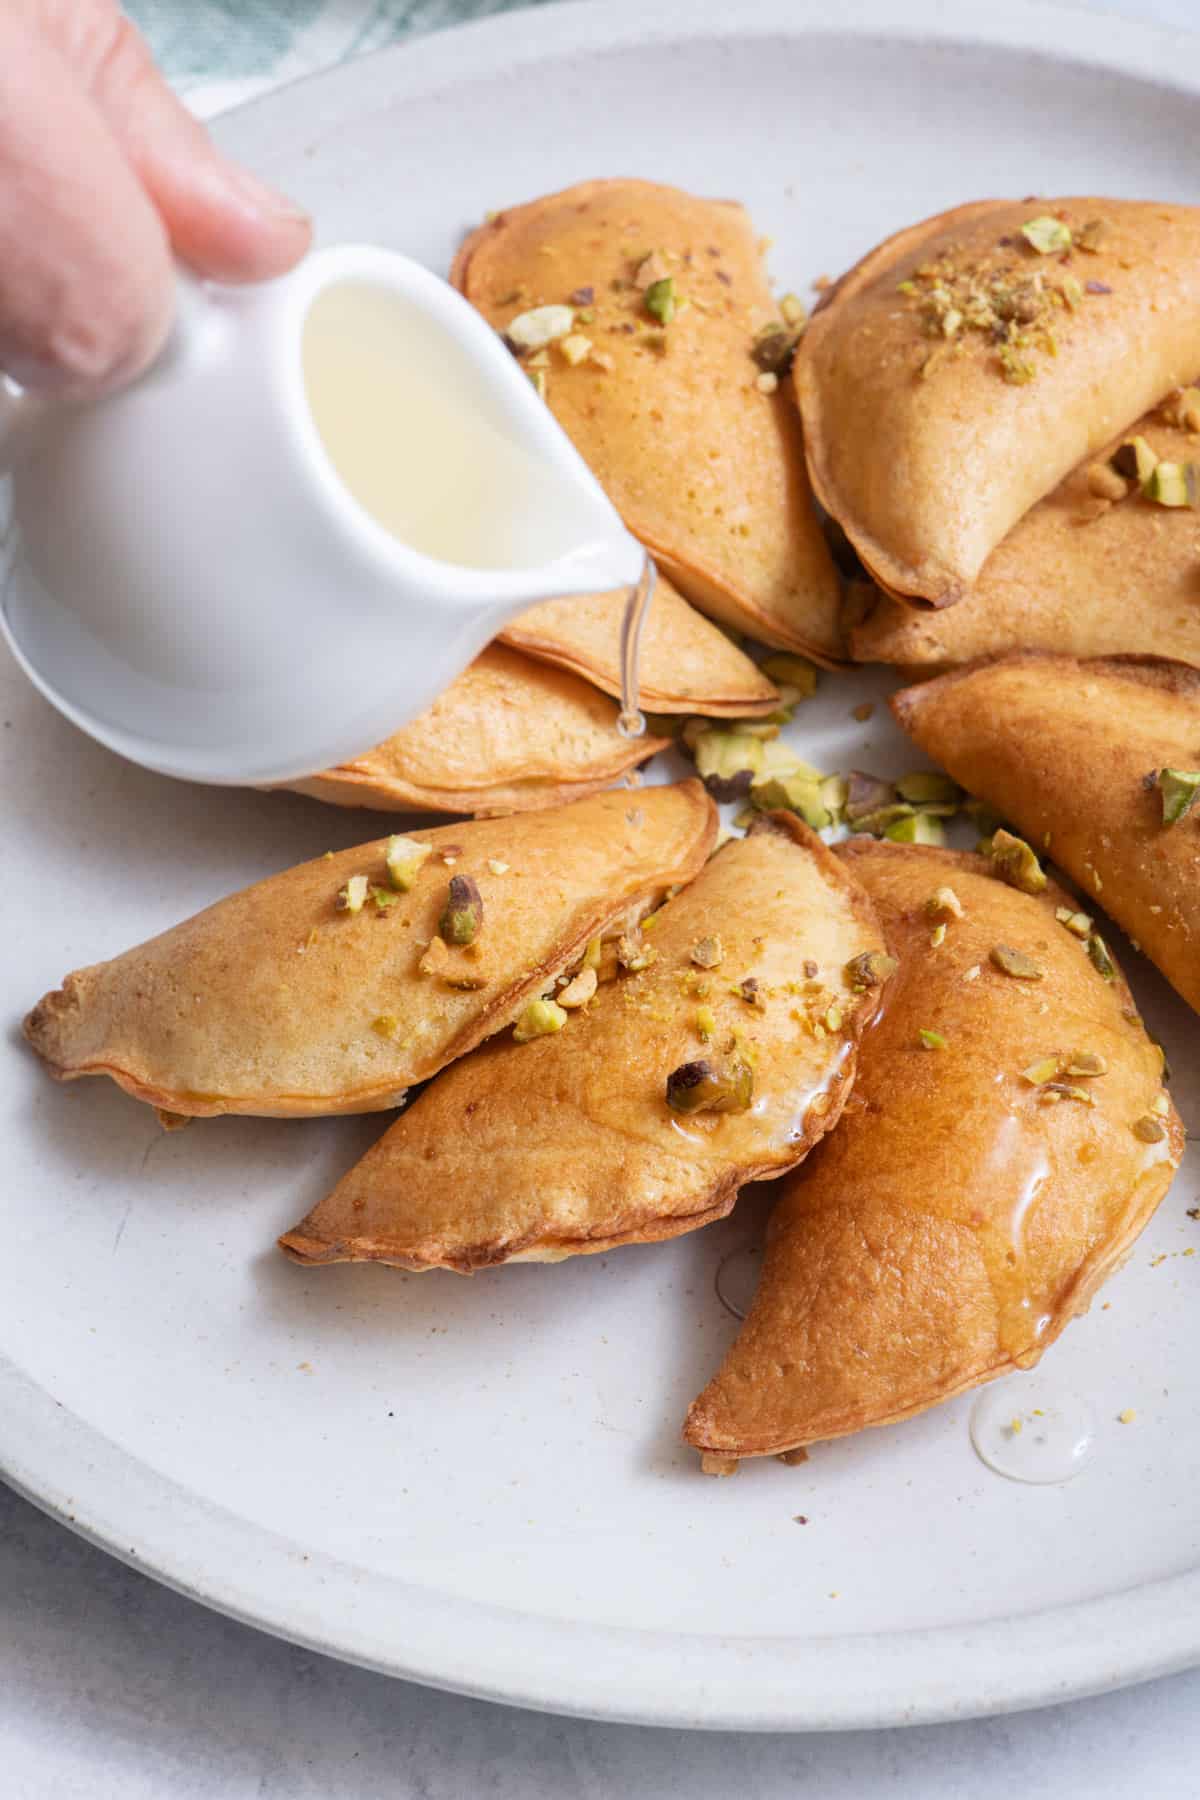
[[396, 1627]]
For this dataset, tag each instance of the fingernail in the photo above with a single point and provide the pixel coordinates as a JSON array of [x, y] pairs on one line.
[[265, 199]]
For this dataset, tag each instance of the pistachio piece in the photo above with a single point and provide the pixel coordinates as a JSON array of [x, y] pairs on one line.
[[633, 952], [750, 991], [1149, 1129], [1085, 1062], [870, 969], [1015, 962], [1091, 235], [726, 761], [661, 300], [1048, 1068], [405, 858], [591, 956], [1078, 923], [539, 1018], [866, 794], [773, 349], [1065, 1090], [706, 1086], [540, 326], [929, 787], [1135, 460], [706, 1022], [1104, 483], [931, 1040], [793, 793], [708, 953], [353, 897], [1179, 788], [793, 310], [386, 1025], [944, 903], [795, 678], [921, 828], [383, 897], [496, 866], [937, 936], [834, 790], [579, 990], [1102, 962], [1174, 484], [1048, 235], [1013, 861], [462, 914], [575, 348], [876, 823]]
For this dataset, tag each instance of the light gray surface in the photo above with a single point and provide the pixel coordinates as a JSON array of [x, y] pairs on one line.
[[111, 1686]]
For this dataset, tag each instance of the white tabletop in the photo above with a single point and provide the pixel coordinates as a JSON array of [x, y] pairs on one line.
[[112, 1688]]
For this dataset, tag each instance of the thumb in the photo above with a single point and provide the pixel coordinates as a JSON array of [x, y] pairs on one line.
[[220, 219]]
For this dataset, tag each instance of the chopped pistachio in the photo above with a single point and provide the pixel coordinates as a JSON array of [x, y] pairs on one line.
[[1179, 788], [931, 1040], [540, 326], [539, 1018], [1149, 1129], [1013, 861], [405, 858], [870, 969], [708, 953], [1048, 235], [1085, 1062], [767, 382], [706, 1022], [634, 953], [462, 914], [1102, 962], [1015, 962], [661, 300], [834, 790], [944, 903], [579, 990], [833, 1019], [793, 310], [496, 866], [726, 761], [928, 787], [575, 347], [921, 828], [773, 349], [540, 384], [1091, 235], [1161, 1106], [791, 673], [1135, 460], [386, 1025], [383, 898], [1048, 1068], [706, 1086], [937, 937], [1072, 290], [1078, 923], [1104, 482], [750, 991], [876, 823], [1066, 1090], [1174, 484], [866, 794], [591, 956], [793, 793], [353, 897], [1018, 370]]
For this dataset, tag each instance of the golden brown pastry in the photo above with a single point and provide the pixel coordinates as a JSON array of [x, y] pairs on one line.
[[613, 1129], [1070, 751], [976, 1193], [278, 1001], [687, 664], [664, 400], [1079, 574], [508, 736], [964, 367]]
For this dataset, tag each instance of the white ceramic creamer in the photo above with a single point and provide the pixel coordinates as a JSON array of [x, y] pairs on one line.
[[292, 533]]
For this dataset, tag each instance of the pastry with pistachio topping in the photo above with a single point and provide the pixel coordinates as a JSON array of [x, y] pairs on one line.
[[686, 663], [695, 440], [968, 364], [1081, 756], [1004, 1144], [1097, 568], [509, 735], [644, 1114], [275, 1001]]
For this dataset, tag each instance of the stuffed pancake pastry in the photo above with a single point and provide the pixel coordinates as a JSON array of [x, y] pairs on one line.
[[720, 1055], [1007, 1138], [1098, 762], [640, 311], [508, 735], [335, 986], [967, 365], [687, 664], [1100, 567]]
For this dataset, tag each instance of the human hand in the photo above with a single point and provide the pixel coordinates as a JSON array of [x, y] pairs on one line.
[[104, 178]]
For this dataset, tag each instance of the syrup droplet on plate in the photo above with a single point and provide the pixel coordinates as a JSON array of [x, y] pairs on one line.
[[737, 1278], [1029, 1429]]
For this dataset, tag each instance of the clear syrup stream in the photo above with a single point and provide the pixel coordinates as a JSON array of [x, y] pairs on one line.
[[630, 721]]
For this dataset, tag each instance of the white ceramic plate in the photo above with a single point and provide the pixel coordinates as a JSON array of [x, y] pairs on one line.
[[480, 1484]]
